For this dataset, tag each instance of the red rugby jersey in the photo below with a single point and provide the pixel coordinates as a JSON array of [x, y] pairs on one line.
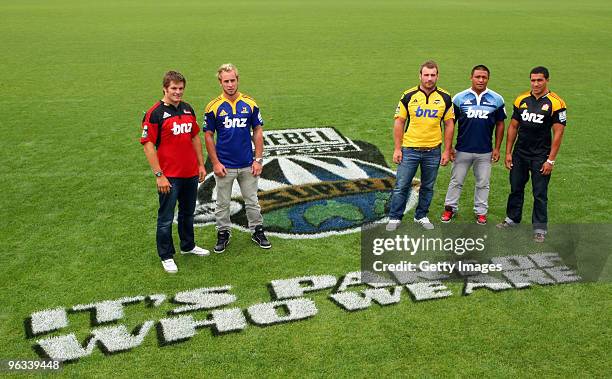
[[171, 129]]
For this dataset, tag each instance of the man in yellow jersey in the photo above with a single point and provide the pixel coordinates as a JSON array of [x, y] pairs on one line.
[[536, 113], [417, 133]]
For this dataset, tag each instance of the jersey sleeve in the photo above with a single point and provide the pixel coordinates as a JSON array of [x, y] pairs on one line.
[[149, 128], [256, 119], [449, 112], [516, 115], [560, 116], [209, 121], [456, 109], [515, 112], [401, 111], [559, 108], [457, 101], [500, 113], [195, 129]]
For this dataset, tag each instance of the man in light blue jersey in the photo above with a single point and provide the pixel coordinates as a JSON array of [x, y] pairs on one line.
[[478, 111]]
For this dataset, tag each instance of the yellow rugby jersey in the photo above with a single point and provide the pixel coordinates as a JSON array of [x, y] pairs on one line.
[[424, 115]]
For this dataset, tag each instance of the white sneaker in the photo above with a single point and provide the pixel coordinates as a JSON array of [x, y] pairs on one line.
[[197, 251], [425, 223], [393, 225], [170, 266]]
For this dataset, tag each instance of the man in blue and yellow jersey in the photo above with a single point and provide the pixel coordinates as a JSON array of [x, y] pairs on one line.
[[536, 113], [233, 116], [417, 134]]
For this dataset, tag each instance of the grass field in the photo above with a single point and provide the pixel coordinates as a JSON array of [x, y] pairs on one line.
[[77, 221]]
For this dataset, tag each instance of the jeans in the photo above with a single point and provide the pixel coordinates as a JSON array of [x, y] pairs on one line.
[[183, 190], [481, 164], [248, 188], [519, 175], [411, 159]]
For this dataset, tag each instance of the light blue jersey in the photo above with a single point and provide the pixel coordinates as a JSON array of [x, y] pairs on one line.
[[477, 116]]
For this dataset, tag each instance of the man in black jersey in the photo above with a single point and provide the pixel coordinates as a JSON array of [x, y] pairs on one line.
[[536, 114]]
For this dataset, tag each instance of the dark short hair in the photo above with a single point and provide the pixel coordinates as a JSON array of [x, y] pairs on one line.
[[173, 76], [481, 67], [540, 70], [429, 64]]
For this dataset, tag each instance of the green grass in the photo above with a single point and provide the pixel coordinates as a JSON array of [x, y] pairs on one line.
[[77, 221]]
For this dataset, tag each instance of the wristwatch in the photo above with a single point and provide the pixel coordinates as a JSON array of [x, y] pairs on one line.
[[552, 163], [158, 173], [259, 160]]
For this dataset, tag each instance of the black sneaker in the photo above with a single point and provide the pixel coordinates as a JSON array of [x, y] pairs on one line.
[[223, 238], [260, 238]]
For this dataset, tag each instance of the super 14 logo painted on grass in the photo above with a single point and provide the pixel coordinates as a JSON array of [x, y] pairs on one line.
[[315, 183]]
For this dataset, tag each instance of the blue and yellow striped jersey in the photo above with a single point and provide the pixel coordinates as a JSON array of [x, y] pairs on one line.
[[233, 122]]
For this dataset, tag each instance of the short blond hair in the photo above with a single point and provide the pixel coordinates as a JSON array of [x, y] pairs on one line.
[[226, 67]]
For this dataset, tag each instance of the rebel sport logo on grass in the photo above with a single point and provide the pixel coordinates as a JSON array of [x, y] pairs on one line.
[[315, 183]]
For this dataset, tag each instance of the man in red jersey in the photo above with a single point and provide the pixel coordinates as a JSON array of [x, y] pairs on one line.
[[172, 145]]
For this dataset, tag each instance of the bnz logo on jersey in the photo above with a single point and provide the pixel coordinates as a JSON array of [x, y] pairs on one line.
[[430, 113]]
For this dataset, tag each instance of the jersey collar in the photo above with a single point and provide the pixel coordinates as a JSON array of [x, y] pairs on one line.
[[172, 106], [478, 97], [230, 101], [425, 93], [541, 97]]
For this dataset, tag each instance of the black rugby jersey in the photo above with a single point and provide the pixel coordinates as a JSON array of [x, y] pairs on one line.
[[536, 118]]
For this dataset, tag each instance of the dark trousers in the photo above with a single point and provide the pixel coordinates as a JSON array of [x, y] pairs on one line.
[[183, 190], [519, 176]]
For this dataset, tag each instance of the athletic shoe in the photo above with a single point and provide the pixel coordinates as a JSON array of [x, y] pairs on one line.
[[505, 224], [481, 219], [448, 214], [260, 238], [197, 251], [393, 225], [170, 266], [223, 238], [425, 223], [539, 237]]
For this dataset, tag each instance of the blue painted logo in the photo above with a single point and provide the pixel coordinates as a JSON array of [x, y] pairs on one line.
[[315, 183]]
